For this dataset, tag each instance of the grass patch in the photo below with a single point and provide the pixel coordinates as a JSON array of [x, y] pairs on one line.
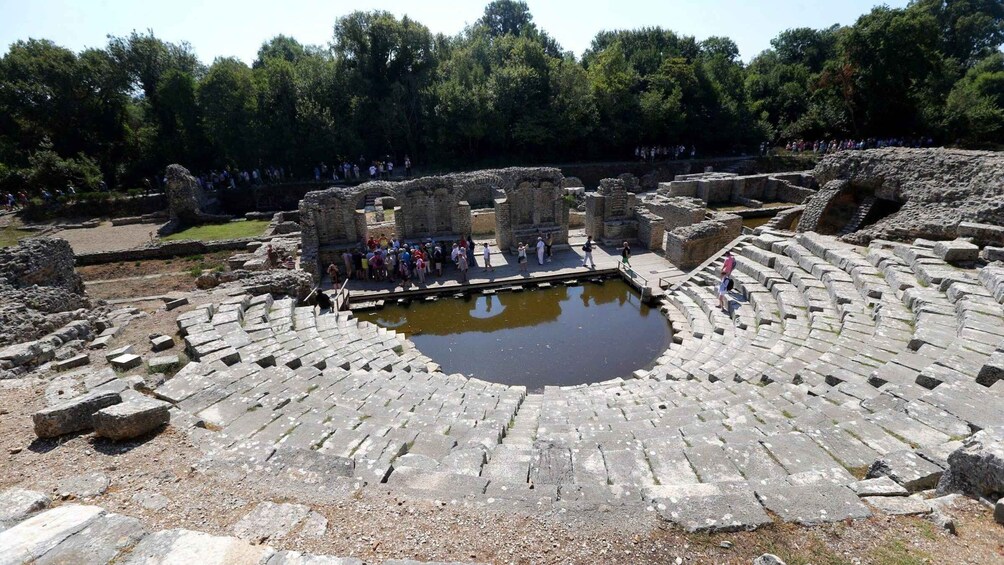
[[229, 230], [897, 553], [10, 236]]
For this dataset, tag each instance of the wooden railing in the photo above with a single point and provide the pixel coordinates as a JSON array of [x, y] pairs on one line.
[[341, 298]]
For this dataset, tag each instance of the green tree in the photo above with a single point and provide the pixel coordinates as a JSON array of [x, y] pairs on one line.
[[228, 104]]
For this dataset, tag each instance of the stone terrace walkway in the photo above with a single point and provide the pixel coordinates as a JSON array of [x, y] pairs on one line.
[[647, 269]]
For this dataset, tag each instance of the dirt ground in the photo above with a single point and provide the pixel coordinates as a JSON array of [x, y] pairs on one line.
[[377, 525], [115, 281], [107, 237]]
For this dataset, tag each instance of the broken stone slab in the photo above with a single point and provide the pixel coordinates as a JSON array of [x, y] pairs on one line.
[[73, 415], [999, 511], [160, 343], [991, 254], [131, 419], [88, 485], [898, 505], [72, 362], [186, 546], [709, 507], [908, 469], [102, 541], [768, 559], [163, 363], [977, 468], [176, 303], [881, 486], [126, 349], [992, 371], [17, 504], [813, 504], [270, 521], [956, 251], [34, 537], [297, 558], [100, 342], [127, 361]]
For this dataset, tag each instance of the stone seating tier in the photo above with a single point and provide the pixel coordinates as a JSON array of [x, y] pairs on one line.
[[831, 357]]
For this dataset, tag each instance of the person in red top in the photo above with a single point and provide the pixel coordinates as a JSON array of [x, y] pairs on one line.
[[729, 265], [372, 244]]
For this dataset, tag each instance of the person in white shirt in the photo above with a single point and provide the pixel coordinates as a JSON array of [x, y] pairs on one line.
[[540, 250], [487, 254]]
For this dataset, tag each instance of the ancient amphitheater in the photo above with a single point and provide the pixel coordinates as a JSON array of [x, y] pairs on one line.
[[847, 383]]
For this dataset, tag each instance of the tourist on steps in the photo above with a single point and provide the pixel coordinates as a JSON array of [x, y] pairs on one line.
[[540, 250], [730, 263], [588, 249], [333, 273], [723, 293]]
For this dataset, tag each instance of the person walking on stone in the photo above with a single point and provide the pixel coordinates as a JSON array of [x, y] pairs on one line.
[[548, 245], [723, 292], [540, 250], [521, 257], [729, 265], [626, 255], [462, 267], [486, 254], [588, 249]]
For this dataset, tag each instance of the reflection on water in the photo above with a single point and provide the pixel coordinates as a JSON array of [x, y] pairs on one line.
[[557, 336]]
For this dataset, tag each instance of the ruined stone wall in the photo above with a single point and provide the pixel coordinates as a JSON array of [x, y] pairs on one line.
[[610, 211], [817, 205], [677, 211], [39, 289], [724, 188], [939, 189], [689, 246], [651, 230], [435, 207]]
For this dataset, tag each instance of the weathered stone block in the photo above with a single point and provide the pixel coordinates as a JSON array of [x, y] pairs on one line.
[[131, 419], [956, 251], [163, 363], [992, 371], [73, 415], [127, 361], [73, 362], [161, 343]]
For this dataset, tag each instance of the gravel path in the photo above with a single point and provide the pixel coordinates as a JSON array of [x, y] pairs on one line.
[[107, 237]]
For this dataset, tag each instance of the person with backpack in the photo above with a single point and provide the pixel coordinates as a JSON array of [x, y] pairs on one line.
[[723, 292], [588, 249]]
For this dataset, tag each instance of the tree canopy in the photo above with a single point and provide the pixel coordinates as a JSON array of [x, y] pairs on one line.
[[501, 91]]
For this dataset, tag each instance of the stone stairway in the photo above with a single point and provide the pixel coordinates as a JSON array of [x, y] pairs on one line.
[[854, 224]]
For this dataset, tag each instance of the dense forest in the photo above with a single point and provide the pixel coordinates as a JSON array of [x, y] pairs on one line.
[[501, 91]]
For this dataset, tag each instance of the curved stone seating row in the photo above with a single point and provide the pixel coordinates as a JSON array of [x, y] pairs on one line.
[[831, 358], [272, 379]]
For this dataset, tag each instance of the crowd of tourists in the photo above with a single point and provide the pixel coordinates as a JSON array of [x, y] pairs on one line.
[[653, 153], [383, 259], [346, 171], [833, 145]]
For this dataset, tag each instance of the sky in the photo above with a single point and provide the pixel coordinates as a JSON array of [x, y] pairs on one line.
[[222, 28]]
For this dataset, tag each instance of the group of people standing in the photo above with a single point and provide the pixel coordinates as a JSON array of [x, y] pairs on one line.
[[389, 259], [544, 249]]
